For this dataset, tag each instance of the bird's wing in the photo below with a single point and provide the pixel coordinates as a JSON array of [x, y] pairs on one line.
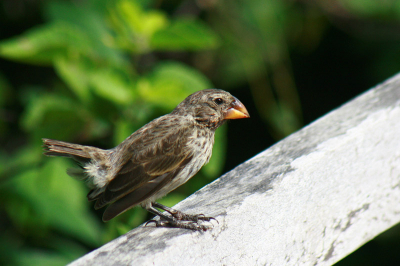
[[158, 155], [141, 193]]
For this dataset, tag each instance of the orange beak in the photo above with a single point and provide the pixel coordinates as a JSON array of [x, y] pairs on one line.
[[237, 111]]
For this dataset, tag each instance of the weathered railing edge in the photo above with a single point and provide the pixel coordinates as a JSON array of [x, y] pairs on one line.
[[142, 244]]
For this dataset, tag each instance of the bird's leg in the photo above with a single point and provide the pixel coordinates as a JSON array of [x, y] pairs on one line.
[[183, 216], [168, 221]]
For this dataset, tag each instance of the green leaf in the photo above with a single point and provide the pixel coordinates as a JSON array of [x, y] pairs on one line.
[[139, 20], [107, 82], [112, 86], [51, 251], [39, 258], [60, 117], [135, 26], [123, 129], [76, 74], [170, 83], [23, 159], [90, 21], [41, 45], [53, 116], [47, 197], [185, 34]]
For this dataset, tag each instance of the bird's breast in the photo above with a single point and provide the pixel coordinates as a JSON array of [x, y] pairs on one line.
[[200, 145]]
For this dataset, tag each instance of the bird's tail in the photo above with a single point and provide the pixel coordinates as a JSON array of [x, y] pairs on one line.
[[78, 152]]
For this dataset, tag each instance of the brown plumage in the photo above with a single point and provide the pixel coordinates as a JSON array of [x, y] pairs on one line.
[[157, 158]]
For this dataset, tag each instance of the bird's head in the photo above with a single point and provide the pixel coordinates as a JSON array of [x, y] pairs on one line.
[[212, 107]]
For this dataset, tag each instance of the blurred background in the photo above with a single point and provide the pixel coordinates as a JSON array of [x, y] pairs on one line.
[[94, 71]]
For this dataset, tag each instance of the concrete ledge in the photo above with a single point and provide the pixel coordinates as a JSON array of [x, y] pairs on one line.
[[311, 199]]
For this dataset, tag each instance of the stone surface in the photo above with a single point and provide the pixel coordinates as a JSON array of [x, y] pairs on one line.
[[311, 199]]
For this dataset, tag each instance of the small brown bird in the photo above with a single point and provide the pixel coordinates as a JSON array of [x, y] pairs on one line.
[[154, 160]]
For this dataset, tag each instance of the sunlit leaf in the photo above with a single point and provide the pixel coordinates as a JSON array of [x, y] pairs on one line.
[[135, 25], [54, 200], [110, 85], [42, 44], [185, 34], [60, 252], [76, 74], [141, 21], [170, 83], [38, 258]]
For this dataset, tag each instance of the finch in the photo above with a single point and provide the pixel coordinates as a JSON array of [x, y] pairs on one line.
[[154, 160]]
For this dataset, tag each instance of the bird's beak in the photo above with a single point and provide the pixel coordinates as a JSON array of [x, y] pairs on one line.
[[237, 111]]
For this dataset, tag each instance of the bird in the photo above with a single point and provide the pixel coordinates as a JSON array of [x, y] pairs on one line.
[[154, 160]]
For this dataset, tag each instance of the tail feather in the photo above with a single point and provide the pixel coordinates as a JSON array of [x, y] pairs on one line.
[[78, 152], [61, 148]]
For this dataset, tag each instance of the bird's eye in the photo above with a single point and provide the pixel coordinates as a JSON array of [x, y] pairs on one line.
[[219, 101]]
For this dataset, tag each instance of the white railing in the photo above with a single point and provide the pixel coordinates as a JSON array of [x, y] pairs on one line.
[[311, 199]]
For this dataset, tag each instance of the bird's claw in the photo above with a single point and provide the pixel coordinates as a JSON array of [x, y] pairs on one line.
[[191, 225], [202, 217], [180, 224], [191, 217], [156, 222]]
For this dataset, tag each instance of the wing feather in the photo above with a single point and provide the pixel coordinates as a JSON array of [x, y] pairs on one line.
[[157, 157], [141, 193]]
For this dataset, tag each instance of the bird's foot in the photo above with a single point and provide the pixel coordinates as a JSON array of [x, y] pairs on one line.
[[178, 219], [180, 224], [191, 217]]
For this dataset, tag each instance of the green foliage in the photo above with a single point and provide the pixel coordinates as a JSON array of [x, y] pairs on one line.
[[94, 48], [155, 87], [43, 44], [185, 33], [36, 201]]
